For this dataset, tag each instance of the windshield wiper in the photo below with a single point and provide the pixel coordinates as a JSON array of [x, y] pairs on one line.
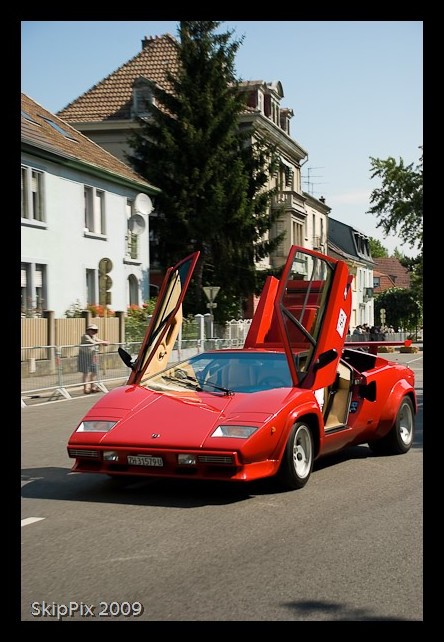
[[226, 391], [182, 377], [183, 380]]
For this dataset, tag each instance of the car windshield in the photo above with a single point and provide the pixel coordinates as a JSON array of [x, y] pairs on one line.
[[225, 372]]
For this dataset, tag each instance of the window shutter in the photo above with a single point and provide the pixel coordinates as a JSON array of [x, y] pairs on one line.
[[38, 279]]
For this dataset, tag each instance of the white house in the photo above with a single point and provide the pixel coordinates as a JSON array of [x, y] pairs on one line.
[[353, 246], [84, 220]]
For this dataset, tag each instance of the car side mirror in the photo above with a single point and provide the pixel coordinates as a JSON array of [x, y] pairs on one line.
[[325, 358], [126, 358]]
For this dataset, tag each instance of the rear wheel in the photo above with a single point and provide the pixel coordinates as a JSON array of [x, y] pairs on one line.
[[400, 438], [297, 462]]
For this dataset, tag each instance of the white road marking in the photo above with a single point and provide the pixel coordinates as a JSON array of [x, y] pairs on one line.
[[31, 520]]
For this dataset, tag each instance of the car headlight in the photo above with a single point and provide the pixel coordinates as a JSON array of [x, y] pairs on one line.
[[239, 432], [96, 426]]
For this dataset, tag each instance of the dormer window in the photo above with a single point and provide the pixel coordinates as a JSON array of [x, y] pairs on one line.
[[142, 95], [362, 244], [271, 109], [260, 101], [285, 115], [255, 100]]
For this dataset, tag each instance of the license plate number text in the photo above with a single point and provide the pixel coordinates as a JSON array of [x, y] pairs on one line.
[[145, 460]]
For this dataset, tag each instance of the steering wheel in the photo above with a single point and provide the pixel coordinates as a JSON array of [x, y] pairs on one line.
[[273, 382]]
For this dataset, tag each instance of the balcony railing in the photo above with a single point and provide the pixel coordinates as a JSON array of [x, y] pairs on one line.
[[317, 243]]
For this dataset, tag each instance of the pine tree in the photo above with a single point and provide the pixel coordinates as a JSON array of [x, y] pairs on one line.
[[214, 183]]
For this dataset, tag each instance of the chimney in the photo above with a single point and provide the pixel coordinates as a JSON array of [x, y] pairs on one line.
[[146, 41]]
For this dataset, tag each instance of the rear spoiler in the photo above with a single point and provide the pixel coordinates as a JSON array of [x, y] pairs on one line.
[[374, 345]]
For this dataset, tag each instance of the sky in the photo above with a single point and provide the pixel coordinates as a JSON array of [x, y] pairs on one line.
[[355, 87]]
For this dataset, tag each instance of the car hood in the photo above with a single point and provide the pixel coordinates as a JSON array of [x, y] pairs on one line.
[[179, 419]]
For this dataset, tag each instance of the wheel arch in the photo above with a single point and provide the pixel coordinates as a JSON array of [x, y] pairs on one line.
[[389, 411], [312, 419]]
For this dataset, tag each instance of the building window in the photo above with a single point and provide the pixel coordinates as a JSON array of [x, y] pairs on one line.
[[94, 210], [132, 239], [32, 194], [376, 281], [260, 101], [142, 96], [133, 290], [285, 178], [289, 176], [275, 112], [33, 289], [29, 118], [297, 233], [133, 245], [26, 299], [59, 129], [91, 287], [297, 180], [40, 286]]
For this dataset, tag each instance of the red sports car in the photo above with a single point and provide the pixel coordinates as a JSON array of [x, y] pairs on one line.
[[293, 393]]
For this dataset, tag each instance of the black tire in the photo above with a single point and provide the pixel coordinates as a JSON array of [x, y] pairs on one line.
[[400, 438], [297, 462]]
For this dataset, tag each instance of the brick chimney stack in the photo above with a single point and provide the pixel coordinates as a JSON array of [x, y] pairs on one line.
[[146, 41]]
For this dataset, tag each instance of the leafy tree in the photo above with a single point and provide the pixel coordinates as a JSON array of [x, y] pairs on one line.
[[377, 249], [214, 197], [415, 267], [402, 309], [398, 203]]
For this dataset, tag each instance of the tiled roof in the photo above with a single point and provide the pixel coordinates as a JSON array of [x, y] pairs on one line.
[[37, 130], [392, 273], [111, 98]]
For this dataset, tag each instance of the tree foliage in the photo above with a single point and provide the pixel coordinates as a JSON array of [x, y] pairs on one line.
[[213, 183], [398, 203], [377, 249], [415, 267], [402, 309]]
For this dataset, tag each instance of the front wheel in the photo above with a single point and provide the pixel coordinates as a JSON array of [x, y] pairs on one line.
[[400, 438], [297, 462]]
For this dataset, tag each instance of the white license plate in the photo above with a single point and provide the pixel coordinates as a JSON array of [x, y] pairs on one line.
[[144, 460]]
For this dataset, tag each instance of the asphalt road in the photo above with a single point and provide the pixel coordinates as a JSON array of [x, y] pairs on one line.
[[347, 547]]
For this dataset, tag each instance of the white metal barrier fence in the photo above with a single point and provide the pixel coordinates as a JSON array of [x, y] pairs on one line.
[[51, 372]]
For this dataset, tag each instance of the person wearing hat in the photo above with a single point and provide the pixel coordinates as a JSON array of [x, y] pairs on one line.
[[87, 359]]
